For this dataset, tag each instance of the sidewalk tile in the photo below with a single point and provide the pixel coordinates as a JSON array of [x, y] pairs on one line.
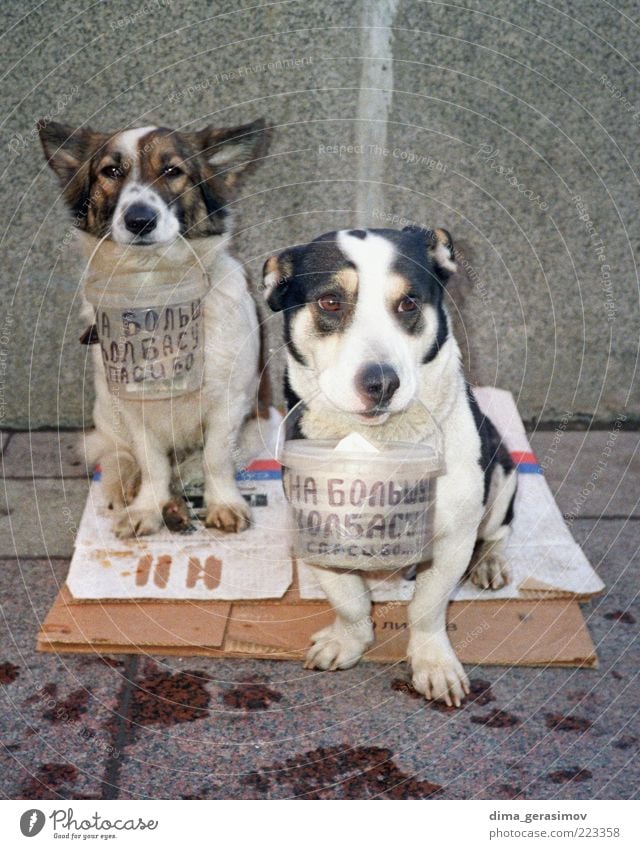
[[57, 711], [591, 473], [40, 518], [44, 454]]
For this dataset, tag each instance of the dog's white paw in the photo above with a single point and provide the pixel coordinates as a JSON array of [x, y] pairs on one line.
[[338, 646], [137, 521], [440, 676], [490, 572], [231, 518]]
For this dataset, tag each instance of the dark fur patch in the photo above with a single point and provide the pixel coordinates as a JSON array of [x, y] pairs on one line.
[[492, 449], [441, 336], [294, 430], [508, 516]]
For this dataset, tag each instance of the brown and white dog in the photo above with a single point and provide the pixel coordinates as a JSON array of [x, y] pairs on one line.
[[149, 186]]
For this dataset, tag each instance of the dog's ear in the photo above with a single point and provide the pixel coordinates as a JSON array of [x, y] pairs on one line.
[[66, 148], [276, 274], [230, 151], [440, 249]]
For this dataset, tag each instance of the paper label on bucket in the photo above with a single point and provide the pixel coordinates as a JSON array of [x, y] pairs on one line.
[[153, 351], [358, 524]]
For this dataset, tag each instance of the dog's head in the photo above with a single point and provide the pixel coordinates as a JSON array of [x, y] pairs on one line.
[[363, 312], [148, 185]]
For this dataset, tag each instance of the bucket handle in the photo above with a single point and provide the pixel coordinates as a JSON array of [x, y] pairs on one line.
[[300, 405], [205, 273]]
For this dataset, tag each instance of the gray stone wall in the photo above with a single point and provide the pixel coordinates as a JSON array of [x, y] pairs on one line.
[[512, 124]]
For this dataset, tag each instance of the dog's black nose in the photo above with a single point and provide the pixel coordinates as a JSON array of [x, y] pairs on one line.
[[376, 383], [140, 219]]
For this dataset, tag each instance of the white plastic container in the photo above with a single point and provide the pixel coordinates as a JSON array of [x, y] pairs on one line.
[[149, 316], [364, 510]]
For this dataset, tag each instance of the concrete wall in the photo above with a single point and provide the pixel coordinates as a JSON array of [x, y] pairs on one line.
[[383, 111]]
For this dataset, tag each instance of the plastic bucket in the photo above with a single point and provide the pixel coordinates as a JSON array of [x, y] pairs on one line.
[[362, 510], [149, 317]]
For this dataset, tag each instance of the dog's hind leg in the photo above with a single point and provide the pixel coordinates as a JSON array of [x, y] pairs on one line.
[[342, 644], [489, 569]]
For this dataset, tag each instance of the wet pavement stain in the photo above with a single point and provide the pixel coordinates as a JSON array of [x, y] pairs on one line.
[[51, 782], [497, 719], [574, 773], [405, 687], [570, 722], [161, 698], [251, 697], [505, 791], [365, 772], [480, 692], [627, 741], [208, 792], [8, 672], [48, 691], [112, 662], [258, 782], [69, 709], [621, 616]]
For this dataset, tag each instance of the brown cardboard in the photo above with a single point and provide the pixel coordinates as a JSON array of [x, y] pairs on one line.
[[532, 633], [127, 624]]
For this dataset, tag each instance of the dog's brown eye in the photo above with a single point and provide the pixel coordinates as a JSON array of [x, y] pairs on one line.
[[111, 172], [407, 304], [330, 303], [172, 171]]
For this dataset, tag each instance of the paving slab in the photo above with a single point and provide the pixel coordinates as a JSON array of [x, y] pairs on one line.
[[40, 517], [56, 711], [202, 728], [44, 454], [591, 473]]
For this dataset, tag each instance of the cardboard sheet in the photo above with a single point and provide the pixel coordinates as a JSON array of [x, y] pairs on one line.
[[210, 594], [534, 633]]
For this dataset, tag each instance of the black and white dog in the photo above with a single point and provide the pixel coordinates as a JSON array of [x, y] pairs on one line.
[[366, 332], [149, 187]]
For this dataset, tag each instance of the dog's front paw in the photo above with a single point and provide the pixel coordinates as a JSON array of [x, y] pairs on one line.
[[175, 515], [440, 676], [137, 522], [231, 518], [338, 646], [490, 572]]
